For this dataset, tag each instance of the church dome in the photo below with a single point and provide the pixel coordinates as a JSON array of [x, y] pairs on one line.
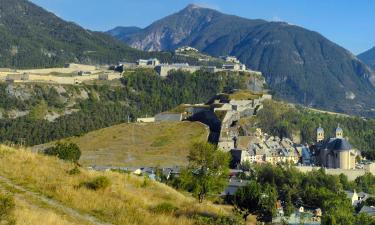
[[338, 144]]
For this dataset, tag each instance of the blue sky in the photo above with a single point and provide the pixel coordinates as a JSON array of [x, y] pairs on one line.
[[350, 23]]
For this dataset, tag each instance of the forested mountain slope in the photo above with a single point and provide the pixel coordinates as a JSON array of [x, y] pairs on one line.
[[32, 37]]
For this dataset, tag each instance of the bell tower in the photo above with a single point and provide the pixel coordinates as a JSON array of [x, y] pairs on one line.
[[339, 132], [319, 134]]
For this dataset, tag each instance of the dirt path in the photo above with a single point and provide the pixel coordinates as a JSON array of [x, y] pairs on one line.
[[53, 203]]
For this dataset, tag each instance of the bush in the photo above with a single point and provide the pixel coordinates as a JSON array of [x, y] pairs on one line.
[[74, 171], [217, 220], [165, 207], [146, 182], [98, 183], [65, 151], [7, 206]]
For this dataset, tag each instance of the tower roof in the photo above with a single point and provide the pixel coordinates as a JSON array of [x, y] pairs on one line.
[[338, 129]]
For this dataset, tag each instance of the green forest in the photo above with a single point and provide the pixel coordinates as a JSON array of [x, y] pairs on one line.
[[312, 190]]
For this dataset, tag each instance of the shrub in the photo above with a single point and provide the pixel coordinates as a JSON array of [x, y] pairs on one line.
[[146, 182], [7, 206], [65, 151], [165, 207], [217, 220], [98, 183], [74, 171]]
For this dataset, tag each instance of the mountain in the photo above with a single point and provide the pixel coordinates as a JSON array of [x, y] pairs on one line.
[[122, 33], [300, 65], [368, 57], [33, 37]]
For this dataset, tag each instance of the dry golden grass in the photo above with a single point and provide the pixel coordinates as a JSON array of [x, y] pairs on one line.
[[126, 201], [30, 211], [29, 214], [140, 144]]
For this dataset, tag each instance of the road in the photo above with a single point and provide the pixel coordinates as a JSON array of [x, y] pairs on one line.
[[53, 203]]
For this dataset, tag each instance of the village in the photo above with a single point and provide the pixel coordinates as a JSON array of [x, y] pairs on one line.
[[335, 154]]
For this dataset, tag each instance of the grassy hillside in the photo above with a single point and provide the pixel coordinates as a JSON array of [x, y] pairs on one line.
[[127, 200], [136, 144]]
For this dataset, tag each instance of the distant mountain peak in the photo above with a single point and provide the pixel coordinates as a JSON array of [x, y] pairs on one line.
[[368, 57], [194, 6], [300, 65]]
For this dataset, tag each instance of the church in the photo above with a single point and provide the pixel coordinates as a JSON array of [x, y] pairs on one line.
[[334, 152]]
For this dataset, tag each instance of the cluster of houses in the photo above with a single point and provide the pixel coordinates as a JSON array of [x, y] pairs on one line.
[[262, 147], [334, 153]]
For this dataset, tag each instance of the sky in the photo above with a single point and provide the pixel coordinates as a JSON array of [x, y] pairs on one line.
[[349, 23]]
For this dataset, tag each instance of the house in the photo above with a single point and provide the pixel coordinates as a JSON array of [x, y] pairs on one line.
[[369, 210], [153, 62], [239, 157], [170, 172], [231, 59], [279, 208], [353, 196], [233, 186], [318, 212], [306, 156], [362, 196], [141, 62]]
